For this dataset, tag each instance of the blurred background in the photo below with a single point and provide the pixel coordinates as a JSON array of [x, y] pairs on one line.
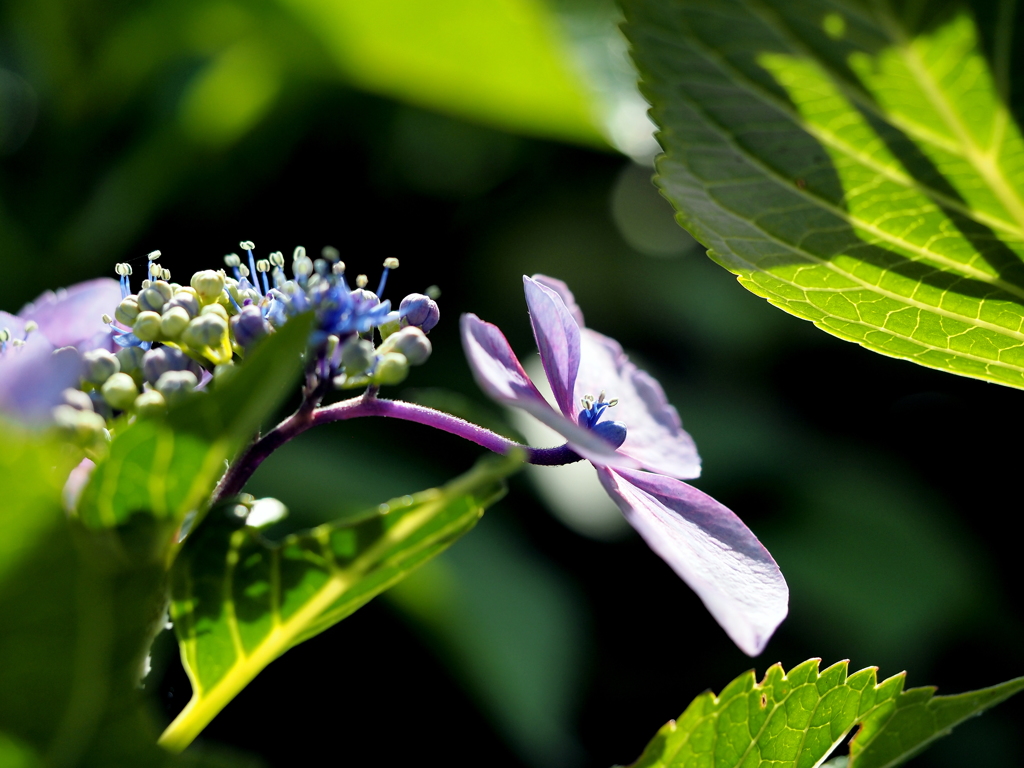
[[478, 141]]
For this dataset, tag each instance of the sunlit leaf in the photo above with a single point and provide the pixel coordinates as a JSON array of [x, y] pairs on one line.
[[854, 164], [239, 601], [168, 467], [795, 720]]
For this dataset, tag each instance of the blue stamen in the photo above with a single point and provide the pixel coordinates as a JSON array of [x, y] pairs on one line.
[[266, 285], [383, 282], [252, 268]]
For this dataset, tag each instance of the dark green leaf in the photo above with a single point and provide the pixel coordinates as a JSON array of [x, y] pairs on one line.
[[795, 720], [855, 164], [240, 601], [168, 467]]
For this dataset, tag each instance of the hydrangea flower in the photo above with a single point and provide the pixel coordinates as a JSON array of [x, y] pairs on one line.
[[41, 346], [641, 457]]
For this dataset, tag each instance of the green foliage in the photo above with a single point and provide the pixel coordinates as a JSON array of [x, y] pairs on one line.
[[855, 165], [240, 601], [168, 467], [797, 719], [77, 612]]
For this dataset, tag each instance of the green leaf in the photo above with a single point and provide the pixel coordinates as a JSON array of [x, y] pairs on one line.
[[854, 164], [503, 63], [78, 610], [239, 601], [168, 467], [797, 719]]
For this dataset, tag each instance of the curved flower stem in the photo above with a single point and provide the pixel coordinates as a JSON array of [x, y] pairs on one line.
[[369, 404]]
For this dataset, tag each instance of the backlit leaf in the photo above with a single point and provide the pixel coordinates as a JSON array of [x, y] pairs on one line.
[[855, 164], [239, 601]]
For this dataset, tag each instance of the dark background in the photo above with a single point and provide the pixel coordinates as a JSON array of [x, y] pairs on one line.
[[887, 492]]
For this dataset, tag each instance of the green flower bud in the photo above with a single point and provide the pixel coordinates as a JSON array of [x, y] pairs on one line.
[[207, 330], [208, 284], [99, 365], [215, 309], [77, 399], [127, 310], [411, 342], [150, 403], [173, 322], [176, 385], [357, 355], [120, 391], [130, 359], [151, 299], [392, 368], [147, 326]]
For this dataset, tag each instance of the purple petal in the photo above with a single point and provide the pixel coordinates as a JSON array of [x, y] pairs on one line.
[[12, 323], [558, 340], [565, 294], [73, 317], [654, 434], [498, 372], [32, 377], [711, 550]]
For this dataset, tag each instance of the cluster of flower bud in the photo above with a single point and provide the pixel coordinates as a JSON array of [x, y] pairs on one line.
[[173, 338]]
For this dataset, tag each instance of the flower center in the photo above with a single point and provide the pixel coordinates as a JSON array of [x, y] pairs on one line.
[[613, 432]]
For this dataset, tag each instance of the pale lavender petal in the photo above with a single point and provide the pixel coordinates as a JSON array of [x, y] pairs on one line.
[[498, 372], [559, 287], [654, 434], [558, 341], [76, 483], [12, 323], [73, 317], [32, 377], [711, 550]]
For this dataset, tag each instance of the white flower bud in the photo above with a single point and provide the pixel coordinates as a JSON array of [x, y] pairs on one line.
[[99, 365], [173, 322]]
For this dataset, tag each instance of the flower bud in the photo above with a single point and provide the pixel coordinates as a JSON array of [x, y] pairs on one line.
[[127, 311], [99, 365], [157, 362], [410, 342], [207, 330], [215, 309], [173, 322], [77, 399], [130, 359], [84, 427], [147, 326], [151, 299], [187, 299], [420, 311], [163, 287], [357, 356], [249, 326], [150, 403], [176, 385], [392, 368], [208, 284], [120, 391]]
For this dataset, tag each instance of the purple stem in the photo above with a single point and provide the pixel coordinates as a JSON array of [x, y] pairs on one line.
[[370, 405]]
